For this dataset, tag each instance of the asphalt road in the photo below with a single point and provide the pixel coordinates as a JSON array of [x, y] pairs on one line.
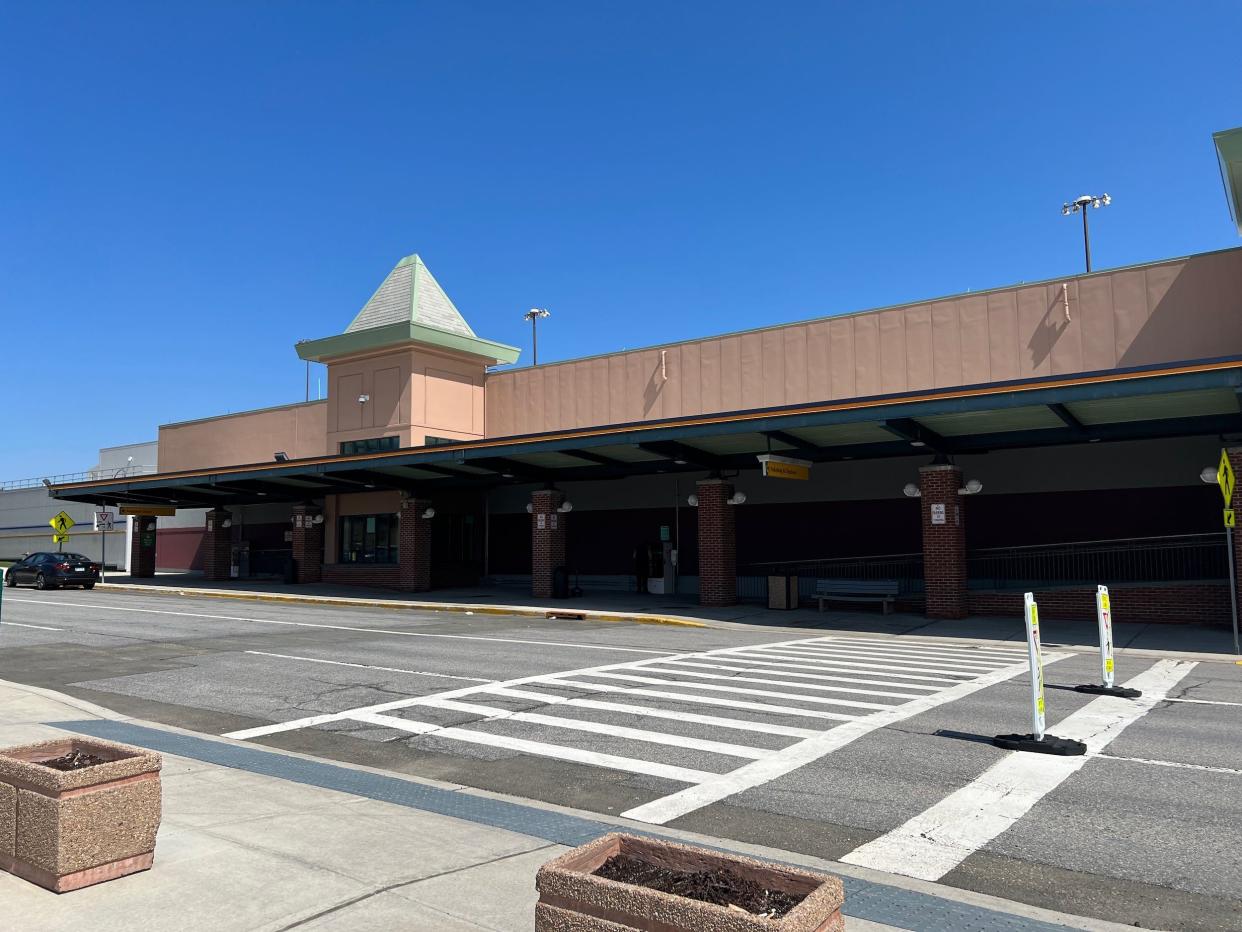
[[869, 748]]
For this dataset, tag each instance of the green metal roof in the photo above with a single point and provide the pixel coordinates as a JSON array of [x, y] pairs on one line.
[[409, 306], [1229, 151]]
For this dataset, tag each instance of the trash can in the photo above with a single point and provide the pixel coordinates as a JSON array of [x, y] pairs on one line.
[[783, 592], [560, 583]]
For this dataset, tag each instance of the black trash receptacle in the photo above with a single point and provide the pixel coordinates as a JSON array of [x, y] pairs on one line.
[[291, 570], [560, 583]]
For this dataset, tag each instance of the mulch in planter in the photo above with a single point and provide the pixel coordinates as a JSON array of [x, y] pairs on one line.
[[74, 760], [719, 887]]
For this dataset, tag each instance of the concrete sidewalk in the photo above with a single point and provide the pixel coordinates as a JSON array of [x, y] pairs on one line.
[[1142, 638], [242, 849]]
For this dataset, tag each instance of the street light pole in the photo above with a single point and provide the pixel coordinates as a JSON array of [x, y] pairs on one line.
[[1080, 205], [533, 316]]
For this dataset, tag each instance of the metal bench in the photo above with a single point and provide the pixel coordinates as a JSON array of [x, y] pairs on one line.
[[883, 591]]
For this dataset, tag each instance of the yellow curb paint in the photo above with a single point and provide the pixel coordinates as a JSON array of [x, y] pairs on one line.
[[521, 611]]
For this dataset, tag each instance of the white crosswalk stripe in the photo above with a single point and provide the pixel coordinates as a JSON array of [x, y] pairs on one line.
[[688, 718]]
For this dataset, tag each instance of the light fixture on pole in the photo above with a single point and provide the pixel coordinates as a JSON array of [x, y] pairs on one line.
[[533, 316], [1079, 206]]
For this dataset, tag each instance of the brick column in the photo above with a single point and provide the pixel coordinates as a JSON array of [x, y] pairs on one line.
[[217, 545], [944, 541], [142, 549], [717, 543], [414, 547], [307, 544], [547, 540]]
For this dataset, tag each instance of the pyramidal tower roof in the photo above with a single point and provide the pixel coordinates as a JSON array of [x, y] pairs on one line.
[[409, 306]]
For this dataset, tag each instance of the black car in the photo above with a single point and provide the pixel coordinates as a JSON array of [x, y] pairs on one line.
[[53, 570]]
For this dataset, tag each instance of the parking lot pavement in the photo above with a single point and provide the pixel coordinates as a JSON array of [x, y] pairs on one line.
[[834, 745]]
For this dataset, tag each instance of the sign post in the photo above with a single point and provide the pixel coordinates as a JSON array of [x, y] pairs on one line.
[[1225, 479], [1104, 617], [60, 528], [105, 521], [1038, 740]]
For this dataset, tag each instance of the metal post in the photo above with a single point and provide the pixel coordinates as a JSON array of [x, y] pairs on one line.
[[1233, 591], [103, 548], [1035, 656], [1086, 236], [534, 341], [1104, 618]]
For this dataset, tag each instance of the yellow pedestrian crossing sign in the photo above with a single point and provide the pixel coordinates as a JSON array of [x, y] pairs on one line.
[[1224, 477], [1229, 518], [60, 538], [62, 523]]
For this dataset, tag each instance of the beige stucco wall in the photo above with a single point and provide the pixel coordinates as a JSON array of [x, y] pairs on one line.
[[248, 437], [1171, 311]]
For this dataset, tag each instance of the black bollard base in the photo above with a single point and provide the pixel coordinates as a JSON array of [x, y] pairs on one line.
[[1049, 744], [1120, 691]]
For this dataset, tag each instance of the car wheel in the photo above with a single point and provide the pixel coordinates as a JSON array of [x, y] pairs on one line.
[[88, 585], [10, 578], [40, 582]]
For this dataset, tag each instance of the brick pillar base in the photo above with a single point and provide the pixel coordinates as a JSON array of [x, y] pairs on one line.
[[717, 543], [944, 541], [142, 549], [307, 544], [547, 540], [217, 545], [414, 548]]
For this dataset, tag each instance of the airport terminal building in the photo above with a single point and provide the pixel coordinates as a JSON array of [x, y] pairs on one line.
[[1047, 436]]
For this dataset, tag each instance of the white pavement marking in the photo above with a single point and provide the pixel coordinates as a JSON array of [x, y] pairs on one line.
[[867, 653], [838, 676], [847, 659], [1202, 701], [825, 664], [744, 691], [800, 676], [1005, 653], [1169, 763], [708, 700], [772, 682], [576, 755], [943, 836], [387, 631], [661, 811], [367, 666], [599, 728], [15, 624]]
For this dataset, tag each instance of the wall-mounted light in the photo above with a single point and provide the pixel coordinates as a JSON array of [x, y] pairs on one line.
[[429, 514], [917, 443], [227, 522], [1208, 475], [910, 490], [692, 501], [506, 475], [363, 399], [530, 509], [281, 456], [972, 487], [737, 498], [318, 519], [565, 507]]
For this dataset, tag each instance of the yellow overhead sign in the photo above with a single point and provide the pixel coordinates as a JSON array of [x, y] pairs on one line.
[[784, 467], [62, 523], [1224, 477], [149, 511]]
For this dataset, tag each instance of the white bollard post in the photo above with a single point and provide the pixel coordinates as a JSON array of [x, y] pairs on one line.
[[1037, 666], [1104, 616]]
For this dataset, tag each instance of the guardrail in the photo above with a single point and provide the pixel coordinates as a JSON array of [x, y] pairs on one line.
[[91, 475], [906, 568]]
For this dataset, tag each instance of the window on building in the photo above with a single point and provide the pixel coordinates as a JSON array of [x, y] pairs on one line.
[[429, 441], [369, 538], [370, 445]]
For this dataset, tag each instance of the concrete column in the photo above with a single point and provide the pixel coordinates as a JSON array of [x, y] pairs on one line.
[[414, 548], [142, 549], [217, 545], [547, 540], [944, 541], [717, 543], [307, 544]]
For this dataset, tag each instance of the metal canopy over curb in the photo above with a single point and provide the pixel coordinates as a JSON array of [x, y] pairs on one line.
[[1145, 403], [875, 902]]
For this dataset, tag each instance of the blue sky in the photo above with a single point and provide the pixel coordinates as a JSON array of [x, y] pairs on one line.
[[188, 189]]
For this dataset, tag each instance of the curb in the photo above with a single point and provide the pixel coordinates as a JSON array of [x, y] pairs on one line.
[[466, 608]]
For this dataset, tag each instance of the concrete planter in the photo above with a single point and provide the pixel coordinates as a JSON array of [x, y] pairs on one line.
[[64, 830], [572, 899]]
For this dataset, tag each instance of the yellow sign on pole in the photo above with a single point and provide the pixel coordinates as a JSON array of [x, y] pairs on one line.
[[60, 538], [1229, 518], [62, 523], [1224, 478]]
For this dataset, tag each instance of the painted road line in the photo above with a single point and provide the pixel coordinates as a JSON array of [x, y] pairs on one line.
[[715, 721], [1169, 763], [1006, 654], [773, 682], [1202, 701], [662, 811], [382, 631], [894, 668], [943, 836], [801, 676], [494, 714], [314, 720], [709, 700], [744, 691], [902, 657], [962, 667], [775, 660], [540, 749], [367, 666], [17, 624]]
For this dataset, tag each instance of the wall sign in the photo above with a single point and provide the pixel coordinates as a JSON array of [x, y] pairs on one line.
[[541, 521], [937, 513]]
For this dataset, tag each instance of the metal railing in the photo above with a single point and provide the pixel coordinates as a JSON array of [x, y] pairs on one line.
[[90, 475], [1173, 558], [906, 568]]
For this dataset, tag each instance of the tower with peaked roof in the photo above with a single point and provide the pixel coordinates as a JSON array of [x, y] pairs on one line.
[[407, 368]]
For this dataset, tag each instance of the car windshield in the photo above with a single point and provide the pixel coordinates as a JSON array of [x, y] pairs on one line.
[[72, 558]]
